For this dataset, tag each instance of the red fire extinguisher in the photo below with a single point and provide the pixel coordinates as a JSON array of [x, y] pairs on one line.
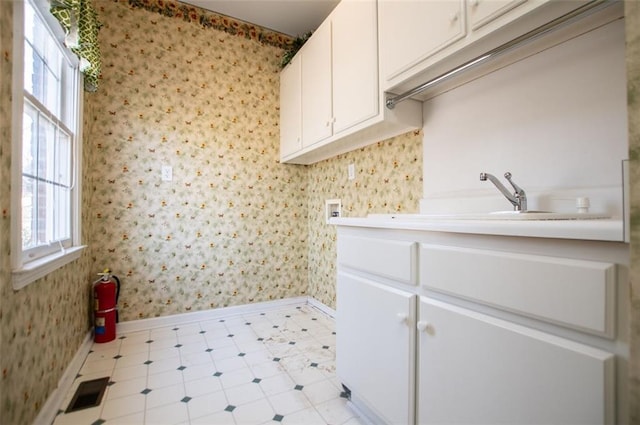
[[106, 291]]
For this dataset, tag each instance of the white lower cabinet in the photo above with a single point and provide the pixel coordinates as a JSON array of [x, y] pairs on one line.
[[481, 330], [474, 368], [376, 340]]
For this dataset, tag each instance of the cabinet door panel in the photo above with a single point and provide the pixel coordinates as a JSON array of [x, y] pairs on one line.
[[316, 87], [375, 340], [481, 12], [290, 108], [474, 368], [355, 63], [413, 30]]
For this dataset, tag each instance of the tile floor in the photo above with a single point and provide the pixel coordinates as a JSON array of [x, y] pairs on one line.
[[272, 367]]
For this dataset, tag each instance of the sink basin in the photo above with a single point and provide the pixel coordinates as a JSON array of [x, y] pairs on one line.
[[542, 215], [505, 215], [521, 212]]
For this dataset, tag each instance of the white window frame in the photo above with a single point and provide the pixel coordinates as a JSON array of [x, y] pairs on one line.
[[25, 271]]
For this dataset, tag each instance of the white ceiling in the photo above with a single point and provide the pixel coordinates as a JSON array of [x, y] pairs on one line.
[[292, 17]]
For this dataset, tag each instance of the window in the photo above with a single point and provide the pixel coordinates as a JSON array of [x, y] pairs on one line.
[[46, 137]]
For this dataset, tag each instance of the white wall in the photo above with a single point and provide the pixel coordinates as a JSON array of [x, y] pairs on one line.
[[556, 121]]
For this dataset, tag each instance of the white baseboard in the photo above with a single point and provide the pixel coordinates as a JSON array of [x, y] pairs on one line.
[[196, 316], [322, 307], [50, 408], [365, 415]]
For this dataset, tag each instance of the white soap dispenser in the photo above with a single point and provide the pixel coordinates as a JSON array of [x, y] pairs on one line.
[[582, 205]]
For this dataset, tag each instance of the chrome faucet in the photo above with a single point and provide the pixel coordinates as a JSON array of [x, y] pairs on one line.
[[518, 199]]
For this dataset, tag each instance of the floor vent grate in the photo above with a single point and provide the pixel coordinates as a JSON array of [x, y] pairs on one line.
[[89, 394]]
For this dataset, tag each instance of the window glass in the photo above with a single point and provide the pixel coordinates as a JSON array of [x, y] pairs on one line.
[[49, 114], [42, 62]]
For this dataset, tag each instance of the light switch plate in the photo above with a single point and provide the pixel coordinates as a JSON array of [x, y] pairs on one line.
[[167, 173], [351, 171]]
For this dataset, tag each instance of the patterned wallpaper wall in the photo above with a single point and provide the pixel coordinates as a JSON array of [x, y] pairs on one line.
[[388, 180], [43, 324], [231, 227], [632, 27], [234, 226], [5, 168]]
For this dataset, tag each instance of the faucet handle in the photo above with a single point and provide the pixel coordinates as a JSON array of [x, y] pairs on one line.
[[517, 188], [520, 195]]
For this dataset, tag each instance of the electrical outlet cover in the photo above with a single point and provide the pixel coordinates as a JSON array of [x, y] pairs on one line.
[[167, 173]]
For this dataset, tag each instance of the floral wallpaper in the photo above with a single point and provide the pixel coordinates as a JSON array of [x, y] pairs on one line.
[[213, 20], [388, 180], [231, 226], [42, 325], [632, 28], [6, 39]]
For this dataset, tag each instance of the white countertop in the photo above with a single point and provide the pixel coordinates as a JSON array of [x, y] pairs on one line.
[[610, 229]]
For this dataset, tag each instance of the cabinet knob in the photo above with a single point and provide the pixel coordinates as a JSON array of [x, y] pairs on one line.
[[454, 18], [402, 317], [426, 327], [474, 3]]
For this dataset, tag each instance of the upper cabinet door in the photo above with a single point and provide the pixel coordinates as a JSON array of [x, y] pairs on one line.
[[411, 31], [317, 117], [355, 63], [291, 108], [481, 12]]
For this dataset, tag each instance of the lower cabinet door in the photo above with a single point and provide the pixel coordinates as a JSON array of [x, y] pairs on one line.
[[375, 337], [474, 368]]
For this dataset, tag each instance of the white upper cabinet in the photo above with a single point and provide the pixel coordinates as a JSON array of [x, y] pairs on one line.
[[482, 12], [291, 108], [340, 72], [317, 115], [412, 31], [342, 106], [355, 64], [421, 39]]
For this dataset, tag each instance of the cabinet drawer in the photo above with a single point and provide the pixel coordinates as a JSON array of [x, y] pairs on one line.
[[574, 293], [391, 259]]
